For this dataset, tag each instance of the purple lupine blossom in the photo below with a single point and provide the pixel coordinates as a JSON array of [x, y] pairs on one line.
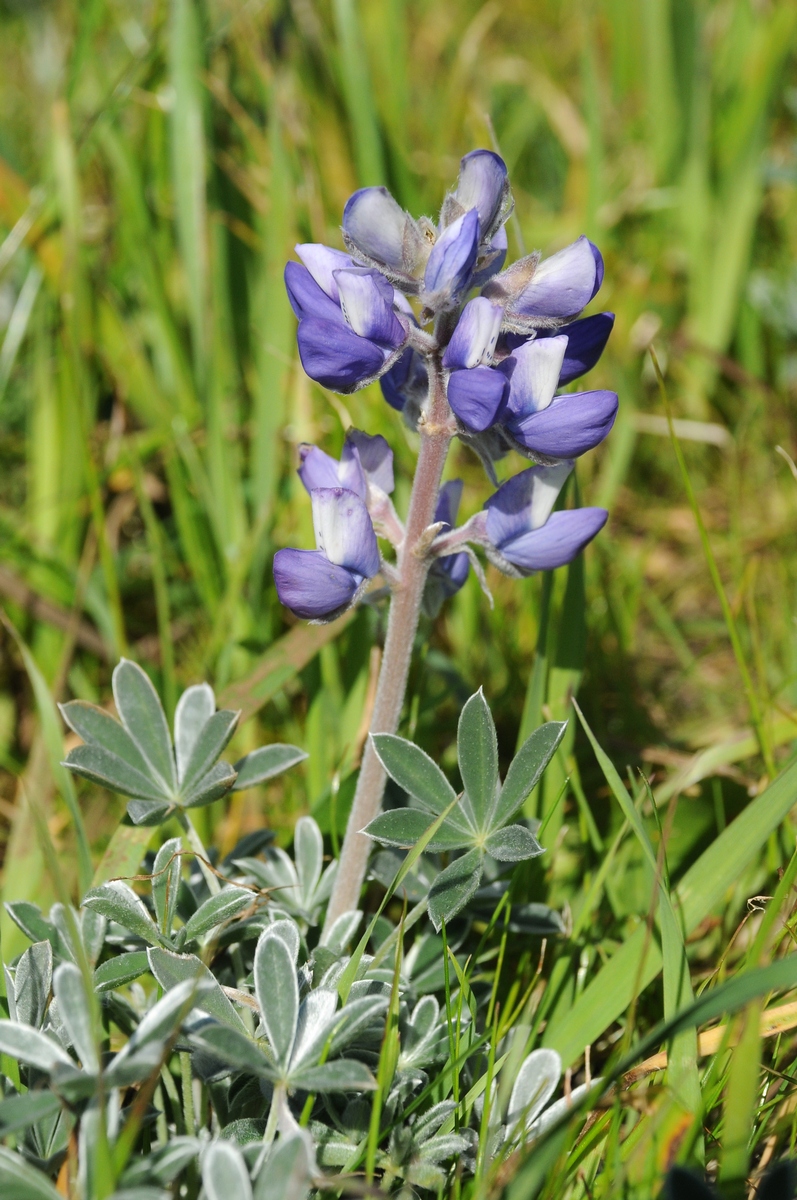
[[320, 584], [524, 532], [449, 572], [349, 329], [496, 342], [539, 423], [364, 461]]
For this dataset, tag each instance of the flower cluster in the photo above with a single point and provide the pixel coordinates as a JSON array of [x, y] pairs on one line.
[[501, 357]]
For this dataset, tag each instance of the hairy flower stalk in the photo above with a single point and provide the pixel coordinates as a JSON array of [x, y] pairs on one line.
[[463, 347], [414, 561]]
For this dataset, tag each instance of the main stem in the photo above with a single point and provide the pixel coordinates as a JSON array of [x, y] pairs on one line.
[[405, 608]]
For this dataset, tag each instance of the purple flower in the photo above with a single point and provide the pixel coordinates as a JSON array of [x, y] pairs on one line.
[[483, 184], [405, 385], [449, 572], [349, 332], [478, 397], [320, 584], [474, 339], [522, 527], [540, 423], [586, 341], [379, 233], [536, 294], [451, 262], [365, 460]]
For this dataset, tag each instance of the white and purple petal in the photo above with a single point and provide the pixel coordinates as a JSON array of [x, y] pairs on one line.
[[569, 427], [322, 262], [452, 258], [473, 341], [366, 299], [491, 258], [478, 397], [335, 356], [343, 530], [561, 285], [483, 184], [557, 542], [586, 341], [533, 371], [307, 299], [375, 458], [311, 586], [524, 502]]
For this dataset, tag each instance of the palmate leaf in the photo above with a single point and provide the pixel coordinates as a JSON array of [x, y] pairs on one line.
[[144, 719], [194, 709], [228, 903], [477, 752], [513, 843], [32, 981], [453, 887], [118, 902], [208, 746], [224, 1173], [212, 786], [277, 993], [526, 769], [171, 969], [101, 766], [403, 827], [166, 883], [22, 1181], [414, 771], [342, 1075], [75, 1012], [20, 1112], [30, 1046], [265, 763], [236, 1050], [98, 728], [116, 972]]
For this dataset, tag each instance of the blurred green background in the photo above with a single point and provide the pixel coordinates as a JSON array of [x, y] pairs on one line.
[[158, 161]]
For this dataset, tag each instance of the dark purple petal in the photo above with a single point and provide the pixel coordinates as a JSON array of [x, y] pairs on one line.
[[379, 227], [453, 256], [448, 501], [452, 571], [394, 380], [478, 396], [473, 341], [524, 502], [335, 356], [343, 530], [366, 298], [310, 585], [482, 185], [318, 469], [307, 298], [557, 542], [586, 341], [572, 425], [375, 457], [322, 261], [533, 371], [563, 284]]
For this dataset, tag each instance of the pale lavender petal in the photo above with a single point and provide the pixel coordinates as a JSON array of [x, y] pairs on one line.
[[473, 341], [448, 501], [572, 425], [307, 298], [477, 397], [483, 185], [378, 227], [311, 586], [524, 502], [317, 469], [322, 262], [335, 356], [534, 375], [375, 456], [366, 298], [557, 542], [343, 530], [563, 284], [453, 256], [586, 341]]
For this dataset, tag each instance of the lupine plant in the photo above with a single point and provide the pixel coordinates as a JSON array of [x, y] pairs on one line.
[[486, 368]]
